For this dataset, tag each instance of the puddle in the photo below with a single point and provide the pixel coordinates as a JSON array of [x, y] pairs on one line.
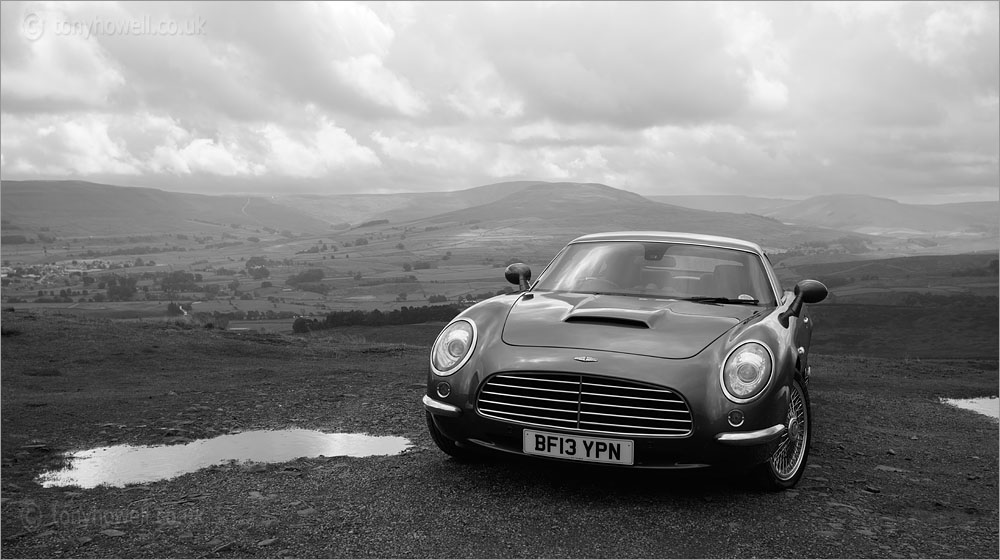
[[990, 406], [125, 464]]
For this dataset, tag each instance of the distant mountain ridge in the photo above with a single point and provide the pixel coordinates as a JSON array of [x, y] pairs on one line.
[[398, 207], [884, 216], [83, 208], [539, 207], [569, 209], [858, 213], [737, 204]]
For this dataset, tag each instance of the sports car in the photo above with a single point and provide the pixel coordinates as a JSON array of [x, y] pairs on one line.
[[638, 350]]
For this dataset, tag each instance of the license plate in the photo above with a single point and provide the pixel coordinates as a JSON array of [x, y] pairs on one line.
[[579, 448]]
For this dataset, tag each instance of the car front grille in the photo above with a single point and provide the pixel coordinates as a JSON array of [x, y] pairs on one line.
[[584, 403]]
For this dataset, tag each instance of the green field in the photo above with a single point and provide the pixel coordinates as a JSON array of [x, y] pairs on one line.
[[909, 307]]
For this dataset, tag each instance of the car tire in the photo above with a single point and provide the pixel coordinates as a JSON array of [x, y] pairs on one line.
[[449, 445], [785, 467]]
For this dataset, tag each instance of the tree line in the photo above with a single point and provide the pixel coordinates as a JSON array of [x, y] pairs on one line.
[[375, 318]]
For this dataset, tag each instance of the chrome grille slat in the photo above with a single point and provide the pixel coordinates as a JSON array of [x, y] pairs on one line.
[[636, 407], [635, 417], [589, 384], [624, 426], [674, 407], [572, 402], [547, 418], [528, 406], [624, 397], [534, 388], [599, 405], [540, 379]]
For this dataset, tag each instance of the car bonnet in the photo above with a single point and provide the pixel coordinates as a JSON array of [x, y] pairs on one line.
[[662, 328]]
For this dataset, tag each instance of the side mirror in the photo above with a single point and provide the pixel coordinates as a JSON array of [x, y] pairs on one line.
[[806, 291], [518, 273]]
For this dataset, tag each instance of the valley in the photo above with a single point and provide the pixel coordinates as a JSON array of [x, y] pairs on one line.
[[261, 263]]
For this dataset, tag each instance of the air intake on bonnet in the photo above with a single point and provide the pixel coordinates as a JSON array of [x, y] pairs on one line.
[[584, 403], [616, 321]]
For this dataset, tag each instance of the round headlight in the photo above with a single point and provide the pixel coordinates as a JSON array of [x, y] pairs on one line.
[[453, 347], [746, 372]]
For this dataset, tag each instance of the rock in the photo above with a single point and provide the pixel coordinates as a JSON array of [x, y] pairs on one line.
[[872, 489], [887, 468], [266, 542], [891, 452], [113, 533], [866, 532], [307, 511]]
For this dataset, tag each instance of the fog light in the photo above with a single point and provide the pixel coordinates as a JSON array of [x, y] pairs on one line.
[[735, 418], [443, 389]]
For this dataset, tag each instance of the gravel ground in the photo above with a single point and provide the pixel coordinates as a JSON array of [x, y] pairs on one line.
[[893, 473]]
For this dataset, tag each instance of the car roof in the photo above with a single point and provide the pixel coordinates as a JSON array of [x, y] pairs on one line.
[[672, 237]]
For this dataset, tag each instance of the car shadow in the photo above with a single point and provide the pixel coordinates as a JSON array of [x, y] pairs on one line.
[[553, 478]]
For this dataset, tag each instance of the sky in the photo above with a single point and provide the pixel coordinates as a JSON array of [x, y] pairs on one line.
[[763, 99]]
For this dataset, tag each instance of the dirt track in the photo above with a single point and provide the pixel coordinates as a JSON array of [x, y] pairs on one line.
[[893, 473]]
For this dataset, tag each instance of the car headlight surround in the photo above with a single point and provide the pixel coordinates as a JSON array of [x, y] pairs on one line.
[[747, 371], [453, 347]]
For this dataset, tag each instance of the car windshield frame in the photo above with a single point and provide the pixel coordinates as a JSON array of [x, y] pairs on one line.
[[661, 269]]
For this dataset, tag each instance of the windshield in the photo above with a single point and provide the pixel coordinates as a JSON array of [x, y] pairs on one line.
[[667, 270]]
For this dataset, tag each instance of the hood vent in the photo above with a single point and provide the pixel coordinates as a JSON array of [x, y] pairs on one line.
[[613, 321]]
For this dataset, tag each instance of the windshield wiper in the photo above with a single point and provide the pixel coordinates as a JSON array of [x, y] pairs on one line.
[[712, 299]]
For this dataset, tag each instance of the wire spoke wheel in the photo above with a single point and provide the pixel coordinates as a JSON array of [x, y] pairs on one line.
[[788, 458], [785, 467]]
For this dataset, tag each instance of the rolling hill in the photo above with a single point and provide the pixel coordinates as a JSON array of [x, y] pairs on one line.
[[883, 216], [82, 208], [737, 204], [560, 211], [859, 213], [399, 207]]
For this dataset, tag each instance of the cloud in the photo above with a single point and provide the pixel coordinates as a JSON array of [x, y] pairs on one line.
[[370, 78], [316, 154], [756, 98], [97, 144], [432, 150], [69, 73], [52, 145]]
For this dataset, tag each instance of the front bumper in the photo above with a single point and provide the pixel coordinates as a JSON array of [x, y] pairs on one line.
[[757, 437], [441, 408], [727, 449]]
